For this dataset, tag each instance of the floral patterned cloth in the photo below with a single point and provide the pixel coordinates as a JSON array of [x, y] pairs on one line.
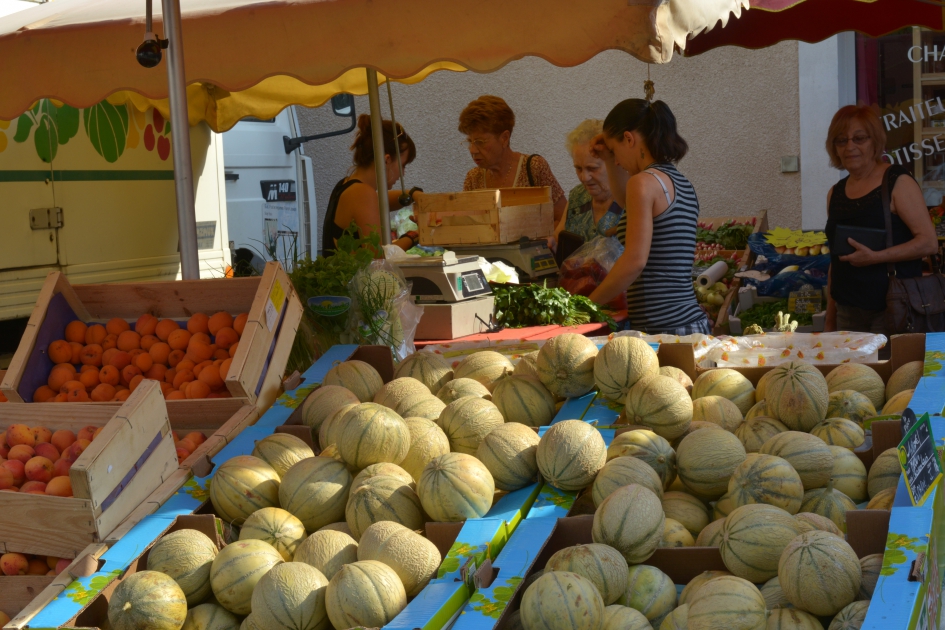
[[541, 173], [580, 218]]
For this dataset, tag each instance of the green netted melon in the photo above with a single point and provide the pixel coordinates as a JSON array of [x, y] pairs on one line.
[[210, 617], [485, 366], [621, 363], [384, 469], [617, 617], [711, 534], [849, 474], [884, 473], [754, 432], [729, 603], [687, 509], [766, 479], [904, 378], [460, 387], [358, 377], [631, 521], [390, 394], [819, 573], [840, 432], [726, 383], [467, 421], [706, 459], [371, 434], [510, 452], [241, 485], [455, 487], [870, 568], [330, 429], [690, 590], [429, 368], [851, 617], [185, 556], [366, 593], [677, 375], [621, 472], [774, 596], [315, 491], [717, 410], [561, 599], [796, 394], [859, 378], [808, 522], [566, 365], [650, 591], [570, 454], [602, 565], [237, 569], [898, 403], [829, 503], [412, 557], [383, 498], [420, 406], [277, 527], [850, 405], [147, 599], [327, 550], [282, 451], [661, 404], [322, 403], [809, 456], [676, 535], [291, 597], [524, 400], [753, 538], [427, 441], [760, 408], [649, 447]]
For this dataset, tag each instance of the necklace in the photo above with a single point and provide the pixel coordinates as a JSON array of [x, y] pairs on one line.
[[485, 174]]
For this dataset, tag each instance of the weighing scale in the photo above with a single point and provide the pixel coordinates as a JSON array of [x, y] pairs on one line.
[[532, 258]]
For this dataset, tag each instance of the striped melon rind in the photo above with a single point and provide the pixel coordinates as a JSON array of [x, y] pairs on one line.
[[677, 375], [796, 394], [237, 569], [570, 454], [840, 432], [282, 451], [242, 485], [330, 429], [631, 521], [870, 567], [365, 593], [327, 551], [561, 599], [706, 459], [774, 596], [904, 378], [849, 474], [510, 451], [717, 410], [648, 447], [766, 479], [792, 619], [412, 557], [677, 620], [686, 509], [808, 522], [427, 441], [383, 498], [210, 617], [723, 507], [277, 527], [753, 538], [850, 405], [467, 421], [454, 487], [690, 590], [617, 617], [524, 400], [883, 500], [527, 366], [315, 491], [661, 404], [420, 406], [676, 535], [851, 617], [566, 365], [322, 403], [147, 599], [371, 434], [429, 368], [485, 366], [384, 469], [808, 455], [761, 387], [819, 573], [758, 409], [390, 394], [602, 565], [727, 602], [754, 432], [897, 403], [460, 387], [859, 378], [650, 591], [829, 503], [621, 472], [711, 534], [726, 383], [358, 377], [884, 473], [185, 556], [621, 363], [291, 596]]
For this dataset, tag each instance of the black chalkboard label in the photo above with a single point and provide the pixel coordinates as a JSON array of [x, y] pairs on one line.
[[908, 420], [919, 460]]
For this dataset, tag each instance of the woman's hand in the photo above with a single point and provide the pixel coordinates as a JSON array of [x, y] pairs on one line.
[[598, 149], [862, 257]]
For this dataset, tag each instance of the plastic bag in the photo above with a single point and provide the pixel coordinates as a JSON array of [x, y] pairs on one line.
[[776, 348], [586, 268], [381, 310]]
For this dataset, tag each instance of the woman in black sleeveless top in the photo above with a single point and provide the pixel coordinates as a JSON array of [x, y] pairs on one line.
[[857, 282], [354, 198]]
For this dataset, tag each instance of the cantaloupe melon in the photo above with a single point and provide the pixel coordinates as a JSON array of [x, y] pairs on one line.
[[660, 404], [602, 565], [210, 617], [677, 375], [819, 573], [711, 534], [617, 617], [631, 521], [327, 551], [676, 535], [727, 602], [510, 451], [648, 447], [808, 522], [859, 378], [706, 459], [650, 591], [485, 366], [693, 586], [365, 593], [249, 624], [766, 479], [412, 557], [392, 393], [761, 386], [358, 377], [760, 408], [851, 617], [693, 427], [291, 597], [371, 434], [717, 410], [870, 567], [774, 596], [566, 365], [885, 472], [420, 406], [331, 452], [883, 500], [621, 472], [561, 599], [905, 377], [527, 365], [427, 441], [621, 363], [524, 400], [277, 527], [726, 383], [687, 509], [850, 405], [460, 387], [723, 506], [282, 451], [331, 428], [796, 394], [829, 503], [429, 368], [147, 599], [898, 403], [809, 456], [322, 403], [241, 485], [454, 487], [753, 538], [237, 569], [185, 556], [840, 432], [467, 421], [384, 469], [849, 474], [383, 498], [570, 454], [315, 491], [754, 432], [792, 619]]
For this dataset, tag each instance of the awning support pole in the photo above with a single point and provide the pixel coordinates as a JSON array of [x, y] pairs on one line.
[[180, 141], [380, 168]]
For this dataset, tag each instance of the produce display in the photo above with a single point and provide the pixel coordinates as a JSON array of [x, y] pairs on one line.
[[520, 305], [764, 315], [728, 235]]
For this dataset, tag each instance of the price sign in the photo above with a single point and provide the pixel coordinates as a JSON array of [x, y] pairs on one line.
[[805, 301], [920, 460]]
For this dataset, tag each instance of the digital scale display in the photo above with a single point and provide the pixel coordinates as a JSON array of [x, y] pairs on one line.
[[543, 261], [473, 283]]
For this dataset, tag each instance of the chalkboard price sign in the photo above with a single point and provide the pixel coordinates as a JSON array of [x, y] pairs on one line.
[[920, 460], [908, 420]]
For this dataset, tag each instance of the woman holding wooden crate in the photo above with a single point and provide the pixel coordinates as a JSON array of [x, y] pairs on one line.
[[354, 198], [488, 122]]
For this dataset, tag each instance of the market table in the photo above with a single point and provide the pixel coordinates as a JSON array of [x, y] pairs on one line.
[[531, 333]]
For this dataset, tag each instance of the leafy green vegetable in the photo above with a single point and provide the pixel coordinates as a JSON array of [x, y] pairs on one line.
[[520, 305], [764, 314], [729, 235]]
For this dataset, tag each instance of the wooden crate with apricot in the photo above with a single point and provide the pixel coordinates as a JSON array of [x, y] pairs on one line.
[[70, 478]]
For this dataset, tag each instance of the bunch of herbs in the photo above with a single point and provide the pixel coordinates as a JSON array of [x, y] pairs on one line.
[[520, 305]]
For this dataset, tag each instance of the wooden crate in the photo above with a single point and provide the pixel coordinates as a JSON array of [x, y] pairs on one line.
[[492, 216], [255, 375], [128, 460]]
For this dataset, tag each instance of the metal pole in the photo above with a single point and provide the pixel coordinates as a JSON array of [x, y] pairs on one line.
[[380, 168], [180, 140]]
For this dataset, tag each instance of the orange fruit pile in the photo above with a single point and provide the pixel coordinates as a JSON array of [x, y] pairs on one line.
[[29, 564], [37, 460]]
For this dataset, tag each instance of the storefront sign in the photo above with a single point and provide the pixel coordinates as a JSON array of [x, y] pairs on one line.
[[920, 461], [909, 115]]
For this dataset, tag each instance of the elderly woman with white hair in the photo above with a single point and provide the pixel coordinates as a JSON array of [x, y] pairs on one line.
[[591, 210]]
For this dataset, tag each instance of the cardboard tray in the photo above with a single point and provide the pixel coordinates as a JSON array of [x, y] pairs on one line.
[[131, 457], [475, 217], [255, 374], [748, 297]]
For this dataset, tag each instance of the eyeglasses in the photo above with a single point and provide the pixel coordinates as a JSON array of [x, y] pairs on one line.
[[478, 142], [858, 140]]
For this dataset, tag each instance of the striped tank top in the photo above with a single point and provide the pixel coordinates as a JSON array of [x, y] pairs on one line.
[[662, 296]]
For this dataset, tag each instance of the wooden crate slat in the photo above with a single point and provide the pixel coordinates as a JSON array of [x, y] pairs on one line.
[[72, 298], [257, 311], [250, 352], [48, 526], [174, 482], [177, 299], [56, 416], [16, 592], [193, 415], [222, 435], [272, 384]]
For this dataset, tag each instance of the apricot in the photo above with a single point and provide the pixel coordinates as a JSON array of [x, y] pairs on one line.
[[75, 451], [95, 334], [18, 434], [159, 352], [197, 369], [156, 372], [34, 487], [3, 438], [61, 563], [47, 450], [147, 341], [4, 619], [129, 373], [86, 368], [204, 337], [182, 376], [75, 331], [198, 389], [225, 368], [59, 487], [17, 468], [97, 431], [136, 353], [109, 354], [103, 393], [164, 328], [175, 395], [186, 364], [60, 351], [21, 453], [221, 354], [218, 321], [175, 357], [182, 454], [37, 567], [122, 395], [109, 375], [170, 374], [129, 340], [91, 355], [78, 395], [146, 324], [187, 445], [233, 349], [62, 439], [144, 362], [110, 342], [116, 326], [6, 479], [58, 377], [90, 379], [134, 382], [61, 467], [121, 359], [165, 387], [226, 337], [86, 432], [179, 339], [70, 386], [41, 434], [239, 323], [39, 469], [61, 398], [76, 351], [198, 323], [199, 351], [211, 376], [14, 564], [196, 438]]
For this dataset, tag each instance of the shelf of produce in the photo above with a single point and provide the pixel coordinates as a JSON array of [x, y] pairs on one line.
[[747, 297], [255, 374]]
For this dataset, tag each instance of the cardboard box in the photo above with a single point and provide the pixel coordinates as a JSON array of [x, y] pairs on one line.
[[455, 319], [748, 297]]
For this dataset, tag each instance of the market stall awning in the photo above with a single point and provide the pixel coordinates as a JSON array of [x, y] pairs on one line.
[[257, 57], [772, 21]]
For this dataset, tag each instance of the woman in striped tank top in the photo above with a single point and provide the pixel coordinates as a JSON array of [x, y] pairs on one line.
[[640, 146]]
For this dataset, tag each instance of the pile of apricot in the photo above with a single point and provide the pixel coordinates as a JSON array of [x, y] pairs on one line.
[[36, 460]]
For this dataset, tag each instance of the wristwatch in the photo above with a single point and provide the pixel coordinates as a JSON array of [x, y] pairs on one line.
[[413, 236], [406, 198]]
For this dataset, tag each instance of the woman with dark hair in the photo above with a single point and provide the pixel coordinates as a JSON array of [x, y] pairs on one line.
[[640, 147], [354, 198]]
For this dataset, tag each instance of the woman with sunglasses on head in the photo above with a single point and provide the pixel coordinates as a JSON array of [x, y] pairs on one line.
[[354, 198], [488, 122], [857, 282]]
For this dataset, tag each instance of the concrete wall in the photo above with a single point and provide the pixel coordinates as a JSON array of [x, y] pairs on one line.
[[738, 109]]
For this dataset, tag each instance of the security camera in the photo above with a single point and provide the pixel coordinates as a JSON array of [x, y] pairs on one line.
[[149, 51]]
